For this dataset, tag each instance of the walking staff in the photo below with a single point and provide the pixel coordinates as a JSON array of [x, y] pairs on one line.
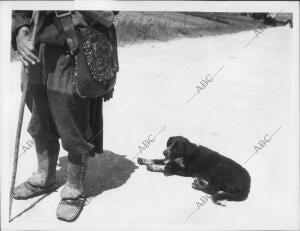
[[35, 19], [73, 71]]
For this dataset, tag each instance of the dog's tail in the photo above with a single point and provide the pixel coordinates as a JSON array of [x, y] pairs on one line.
[[235, 196]]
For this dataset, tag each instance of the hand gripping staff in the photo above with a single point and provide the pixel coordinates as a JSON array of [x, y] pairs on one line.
[[35, 19]]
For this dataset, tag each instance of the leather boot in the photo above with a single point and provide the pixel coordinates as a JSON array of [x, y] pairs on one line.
[[44, 179], [73, 195]]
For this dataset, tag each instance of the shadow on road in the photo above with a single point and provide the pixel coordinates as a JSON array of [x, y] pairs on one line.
[[106, 171]]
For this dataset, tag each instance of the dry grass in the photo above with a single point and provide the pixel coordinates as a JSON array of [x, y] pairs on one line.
[[133, 27]]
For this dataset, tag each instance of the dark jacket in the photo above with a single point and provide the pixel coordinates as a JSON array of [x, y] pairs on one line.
[[49, 31]]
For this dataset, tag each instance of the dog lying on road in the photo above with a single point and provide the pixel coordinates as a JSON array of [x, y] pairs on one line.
[[213, 173]]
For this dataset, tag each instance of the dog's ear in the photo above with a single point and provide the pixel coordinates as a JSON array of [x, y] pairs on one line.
[[190, 149], [170, 140], [180, 162], [185, 139]]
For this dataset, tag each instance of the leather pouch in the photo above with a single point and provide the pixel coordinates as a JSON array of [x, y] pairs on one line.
[[95, 64]]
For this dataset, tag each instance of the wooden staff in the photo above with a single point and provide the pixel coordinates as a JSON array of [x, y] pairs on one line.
[[20, 119]]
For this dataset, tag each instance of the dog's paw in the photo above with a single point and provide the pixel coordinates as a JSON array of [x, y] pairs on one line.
[[194, 186], [199, 184], [155, 168], [141, 161], [219, 203], [151, 167], [202, 182]]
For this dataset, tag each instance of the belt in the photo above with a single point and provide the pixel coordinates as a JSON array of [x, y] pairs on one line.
[[65, 19]]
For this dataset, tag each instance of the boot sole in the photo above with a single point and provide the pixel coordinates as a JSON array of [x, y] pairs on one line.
[[75, 217], [40, 191]]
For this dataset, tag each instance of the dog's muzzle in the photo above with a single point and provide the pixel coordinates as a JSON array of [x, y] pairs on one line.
[[167, 154]]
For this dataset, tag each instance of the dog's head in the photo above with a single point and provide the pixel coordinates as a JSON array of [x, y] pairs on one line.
[[177, 148]]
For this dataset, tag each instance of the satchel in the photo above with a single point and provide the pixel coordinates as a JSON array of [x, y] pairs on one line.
[[96, 63]]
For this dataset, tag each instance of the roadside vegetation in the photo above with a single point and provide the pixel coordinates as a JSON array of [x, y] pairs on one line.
[[136, 27]]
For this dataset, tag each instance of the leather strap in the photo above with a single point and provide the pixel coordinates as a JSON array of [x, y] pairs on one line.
[[65, 19]]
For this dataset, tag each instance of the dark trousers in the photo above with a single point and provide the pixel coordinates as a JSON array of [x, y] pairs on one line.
[[56, 111], [55, 116]]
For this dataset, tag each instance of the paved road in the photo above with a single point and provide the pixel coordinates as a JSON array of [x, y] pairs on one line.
[[156, 94]]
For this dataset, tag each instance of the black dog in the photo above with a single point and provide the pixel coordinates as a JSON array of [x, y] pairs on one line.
[[214, 174]]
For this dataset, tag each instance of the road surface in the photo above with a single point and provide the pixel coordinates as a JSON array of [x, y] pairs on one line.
[[159, 93]]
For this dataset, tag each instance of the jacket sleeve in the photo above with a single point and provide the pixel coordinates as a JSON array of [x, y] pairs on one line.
[[19, 20]]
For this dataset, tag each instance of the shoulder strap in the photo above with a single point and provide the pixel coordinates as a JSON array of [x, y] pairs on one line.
[[65, 19]]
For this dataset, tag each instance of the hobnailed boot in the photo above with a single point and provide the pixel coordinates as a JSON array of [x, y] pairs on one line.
[[73, 195], [44, 179]]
